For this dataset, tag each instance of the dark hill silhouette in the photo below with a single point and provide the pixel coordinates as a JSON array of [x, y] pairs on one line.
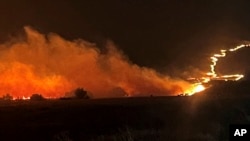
[[220, 88]]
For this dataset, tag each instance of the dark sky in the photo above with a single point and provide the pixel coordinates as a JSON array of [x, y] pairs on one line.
[[163, 34]]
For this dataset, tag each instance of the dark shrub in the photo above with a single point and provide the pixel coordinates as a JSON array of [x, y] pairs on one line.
[[37, 97], [65, 98], [80, 93], [7, 97]]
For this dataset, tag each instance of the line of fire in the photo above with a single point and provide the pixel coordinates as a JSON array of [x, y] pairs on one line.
[[201, 84]]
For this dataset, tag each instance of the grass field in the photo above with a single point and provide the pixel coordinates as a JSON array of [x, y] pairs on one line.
[[196, 118]]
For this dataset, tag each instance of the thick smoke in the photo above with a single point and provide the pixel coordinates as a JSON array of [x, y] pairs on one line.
[[53, 66]]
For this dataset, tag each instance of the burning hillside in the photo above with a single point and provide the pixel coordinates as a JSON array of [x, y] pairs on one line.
[[52, 66], [198, 86]]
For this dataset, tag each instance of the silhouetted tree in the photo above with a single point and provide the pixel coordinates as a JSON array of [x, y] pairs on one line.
[[80, 93], [7, 97], [37, 97]]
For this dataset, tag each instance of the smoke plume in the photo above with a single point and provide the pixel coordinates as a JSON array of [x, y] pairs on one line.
[[52, 66]]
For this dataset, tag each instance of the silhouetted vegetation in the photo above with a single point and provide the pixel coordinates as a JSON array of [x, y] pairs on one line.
[[65, 98], [37, 97], [7, 97], [80, 93]]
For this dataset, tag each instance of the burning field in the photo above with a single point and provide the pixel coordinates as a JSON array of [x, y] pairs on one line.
[[119, 70], [53, 67]]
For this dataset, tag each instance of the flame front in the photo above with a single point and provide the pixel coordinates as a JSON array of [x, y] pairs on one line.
[[21, 98], [212, 75]]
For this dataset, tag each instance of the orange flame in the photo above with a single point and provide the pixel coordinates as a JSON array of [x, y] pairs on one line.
[[195, 88], [21, 98], [51, 66], [214, 60], [212, 75]]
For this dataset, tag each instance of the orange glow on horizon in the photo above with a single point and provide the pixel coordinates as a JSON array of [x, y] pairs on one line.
[[54, 67]]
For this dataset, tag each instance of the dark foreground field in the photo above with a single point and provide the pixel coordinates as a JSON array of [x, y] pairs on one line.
[[196, 118]]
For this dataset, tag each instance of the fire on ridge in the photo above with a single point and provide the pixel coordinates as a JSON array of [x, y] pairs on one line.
[[212, 75]]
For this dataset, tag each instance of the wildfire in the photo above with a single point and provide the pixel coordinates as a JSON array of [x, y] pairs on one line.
[[212, 75], [21, 98], [215, 59], [53, 66], [195, 88]]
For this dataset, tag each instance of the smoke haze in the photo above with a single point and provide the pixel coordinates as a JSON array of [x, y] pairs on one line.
[[52, 66]]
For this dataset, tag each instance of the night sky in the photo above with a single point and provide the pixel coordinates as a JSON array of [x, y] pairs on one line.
[[163, 34]]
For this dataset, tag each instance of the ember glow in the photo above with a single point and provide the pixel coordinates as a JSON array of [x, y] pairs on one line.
[[52, 66]]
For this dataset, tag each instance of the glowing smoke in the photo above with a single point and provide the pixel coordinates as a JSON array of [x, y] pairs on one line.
[[52, 66]]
